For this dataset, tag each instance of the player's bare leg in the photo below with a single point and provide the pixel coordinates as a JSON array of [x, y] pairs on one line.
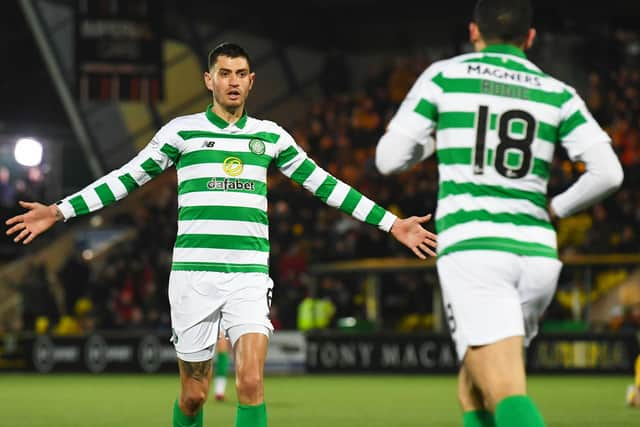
[[250, 352], [195, 378], [473, 407], [498, 370], [468, 394]]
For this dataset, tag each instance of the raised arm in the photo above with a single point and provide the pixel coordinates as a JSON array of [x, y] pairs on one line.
[[295, 164], [157, 156]]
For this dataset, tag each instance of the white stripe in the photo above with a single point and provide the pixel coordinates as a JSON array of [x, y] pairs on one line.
[[117, 188], [338, 194], [497, 105], [225, 144], [464, 173], [228, 227], [458, 138], [208, 170], [316, 179], [451, 204], [473, 229], [67, 209], [290, 167], [92, 199], [230, 256], [215, 198], [542, 150], [363, 208], [387, 221], [139, 176]]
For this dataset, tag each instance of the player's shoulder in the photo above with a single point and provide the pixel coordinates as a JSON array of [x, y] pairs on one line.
[[188, 121], [438, 66], [267, 128]]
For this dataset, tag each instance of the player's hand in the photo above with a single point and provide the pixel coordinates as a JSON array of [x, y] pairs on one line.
[[410, 233], [38, 219]]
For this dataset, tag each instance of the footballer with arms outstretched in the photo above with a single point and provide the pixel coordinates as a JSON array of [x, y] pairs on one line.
[[220, 258]]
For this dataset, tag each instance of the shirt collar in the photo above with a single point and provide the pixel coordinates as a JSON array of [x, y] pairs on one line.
[[509, 49], [221, 123]]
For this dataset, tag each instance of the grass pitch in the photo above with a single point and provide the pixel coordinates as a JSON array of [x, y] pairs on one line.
[[310, 401]]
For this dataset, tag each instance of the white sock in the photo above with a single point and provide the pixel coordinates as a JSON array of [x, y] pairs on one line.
[[219, 385]]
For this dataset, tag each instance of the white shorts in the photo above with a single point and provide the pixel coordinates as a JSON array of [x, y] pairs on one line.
[[203, 303], [492, 295]]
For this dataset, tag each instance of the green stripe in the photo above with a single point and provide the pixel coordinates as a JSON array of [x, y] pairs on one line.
[[172, 152], [517, 127], [351, 201], [504, 62], [222, 241], [326, 188], [456, 119], [218, 156], [375, 215], [202, 184], [541, 168], [219, 267], [303, 171], [462, 156], [517, 247], [129, 183], [151, 168], [105, 194], [427, 109], [547, 132], [79, 205], [451, 188], [286, 156], [466, 120], [462, 217], [228, 213], [454, 156], [264, 136], [569, 125], [489, 87]]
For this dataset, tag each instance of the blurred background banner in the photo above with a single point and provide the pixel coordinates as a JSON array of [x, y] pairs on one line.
[[142, 351], [320, 352], [119, 50]]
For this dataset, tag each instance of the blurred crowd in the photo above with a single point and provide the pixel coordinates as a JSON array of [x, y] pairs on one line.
[[340, 131]]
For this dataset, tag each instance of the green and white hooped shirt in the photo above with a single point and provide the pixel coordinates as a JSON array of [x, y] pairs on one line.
[[222, 188], [497, 120]]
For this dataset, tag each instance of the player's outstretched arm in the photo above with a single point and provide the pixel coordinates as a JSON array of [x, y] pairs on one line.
[[410, 233], [38, 219]]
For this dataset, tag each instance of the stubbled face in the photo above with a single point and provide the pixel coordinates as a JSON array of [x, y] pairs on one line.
[[230, 80]]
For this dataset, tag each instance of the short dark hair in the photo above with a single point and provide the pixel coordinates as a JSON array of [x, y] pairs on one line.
[[503, 20], [231, 50]]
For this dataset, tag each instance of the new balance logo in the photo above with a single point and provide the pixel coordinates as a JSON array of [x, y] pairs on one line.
[[209, 144]]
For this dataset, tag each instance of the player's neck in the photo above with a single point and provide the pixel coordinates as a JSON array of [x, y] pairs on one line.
[[228, 114], [480, 44]]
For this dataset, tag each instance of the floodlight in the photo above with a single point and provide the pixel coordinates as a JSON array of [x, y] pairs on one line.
[[28, 152]]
